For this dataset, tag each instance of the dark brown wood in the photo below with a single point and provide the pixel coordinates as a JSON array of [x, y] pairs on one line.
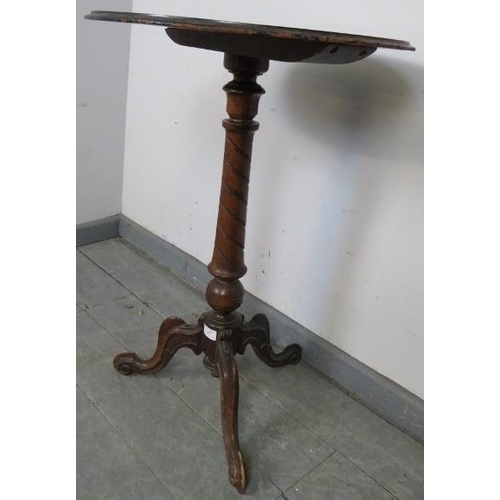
[[229, 394], [174, 333], [225, 292], [256, 332], [221, 332], [261, 41], [209, 358]]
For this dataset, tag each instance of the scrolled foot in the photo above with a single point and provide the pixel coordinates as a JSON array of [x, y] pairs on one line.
[[256, 332], [174, 333], [126, 362]]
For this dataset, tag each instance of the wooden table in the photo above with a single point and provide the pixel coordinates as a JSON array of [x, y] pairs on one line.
[[222, 332]]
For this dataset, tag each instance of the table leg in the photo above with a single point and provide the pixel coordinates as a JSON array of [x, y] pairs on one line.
[[174, 334], [229, 393], [256, 332]]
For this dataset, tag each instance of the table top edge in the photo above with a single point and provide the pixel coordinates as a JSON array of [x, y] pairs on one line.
[[198, 24]]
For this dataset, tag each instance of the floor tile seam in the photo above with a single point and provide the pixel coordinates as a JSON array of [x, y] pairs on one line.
[[124, 285], [127, 348], [311, 471], [409, 471], [155, 263], [125, 441], [386, 452], [315, 433], [351, 395], [282, 495], [189, 405], [133, 292], [150, 305], [86, 307], [392, 493], [218, 431], [114, 337], [149, 260]]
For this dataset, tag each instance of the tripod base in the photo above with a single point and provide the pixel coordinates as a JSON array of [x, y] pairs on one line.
[[220, 360]]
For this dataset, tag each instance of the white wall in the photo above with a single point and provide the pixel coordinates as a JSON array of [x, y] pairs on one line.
[[102, 53], [335, 223]]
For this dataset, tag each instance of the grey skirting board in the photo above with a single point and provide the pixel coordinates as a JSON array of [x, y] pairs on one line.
[[99, 230], [386, 398]]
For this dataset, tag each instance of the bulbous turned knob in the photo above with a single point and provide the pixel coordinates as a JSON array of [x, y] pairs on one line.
[[225, 296]]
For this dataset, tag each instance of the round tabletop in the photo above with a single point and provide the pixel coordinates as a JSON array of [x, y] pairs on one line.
[[260, 41]]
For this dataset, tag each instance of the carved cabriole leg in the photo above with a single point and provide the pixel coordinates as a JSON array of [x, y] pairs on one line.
[[174, 334], [256, 333], [229, 388]]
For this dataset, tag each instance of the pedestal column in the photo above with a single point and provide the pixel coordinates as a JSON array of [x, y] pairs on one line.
[[225, 292]]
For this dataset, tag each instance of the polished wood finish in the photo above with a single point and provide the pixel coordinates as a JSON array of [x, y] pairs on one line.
[[225, 292], [229, 393], [256, 332], [174, 333], [261, 41], [222, 332]]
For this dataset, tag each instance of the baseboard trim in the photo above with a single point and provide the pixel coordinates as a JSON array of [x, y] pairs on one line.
[[386, 398], [97, 230]]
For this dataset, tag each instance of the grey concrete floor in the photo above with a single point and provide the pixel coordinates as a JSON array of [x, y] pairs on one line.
[[159, 436]]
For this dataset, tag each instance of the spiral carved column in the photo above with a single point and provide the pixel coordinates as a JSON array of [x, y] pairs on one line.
[[225, 292]]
